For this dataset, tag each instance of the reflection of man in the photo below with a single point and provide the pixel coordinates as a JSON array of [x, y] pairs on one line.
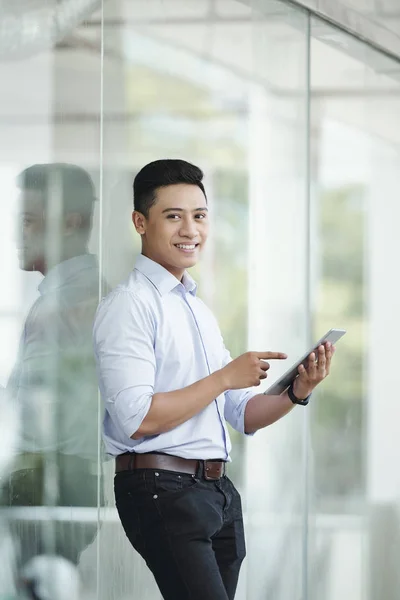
[[9, 435], [53, 382], [170, 386]]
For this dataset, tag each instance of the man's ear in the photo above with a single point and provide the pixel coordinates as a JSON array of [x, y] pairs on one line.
[[139, 222], [73, 222]]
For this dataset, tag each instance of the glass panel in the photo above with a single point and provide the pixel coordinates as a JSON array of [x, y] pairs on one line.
[[355, 163], [223, 86], [49, 175], [278, 296]]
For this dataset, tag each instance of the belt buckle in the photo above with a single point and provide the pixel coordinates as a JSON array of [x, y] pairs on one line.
[[213, 470]]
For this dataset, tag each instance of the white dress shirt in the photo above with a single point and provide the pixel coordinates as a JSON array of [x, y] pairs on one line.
[[153, 334]]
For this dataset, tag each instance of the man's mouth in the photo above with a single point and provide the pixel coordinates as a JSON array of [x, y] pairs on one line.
[[186, 247]]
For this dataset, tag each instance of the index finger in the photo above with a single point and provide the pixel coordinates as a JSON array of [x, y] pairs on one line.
[[269, 355]]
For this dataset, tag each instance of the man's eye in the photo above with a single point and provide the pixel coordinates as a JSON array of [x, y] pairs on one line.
[[172, 216], [201, 216]]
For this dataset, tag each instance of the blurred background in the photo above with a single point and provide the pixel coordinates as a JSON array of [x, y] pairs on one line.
[[292, 109]]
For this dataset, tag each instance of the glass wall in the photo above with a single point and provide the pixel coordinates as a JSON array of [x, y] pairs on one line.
[[49, 178], [225, 87], [355, 156], [295, 126]]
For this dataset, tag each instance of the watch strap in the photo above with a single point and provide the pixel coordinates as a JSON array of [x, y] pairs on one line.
[[294, 399]]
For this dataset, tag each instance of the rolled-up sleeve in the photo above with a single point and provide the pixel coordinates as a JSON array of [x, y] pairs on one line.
[[124, 333], [236, 402]]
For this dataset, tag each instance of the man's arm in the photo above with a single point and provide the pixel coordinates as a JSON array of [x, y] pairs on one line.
[[124, 337], [262, 410], [171, 409]]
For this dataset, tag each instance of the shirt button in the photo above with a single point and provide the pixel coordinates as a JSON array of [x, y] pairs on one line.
[[157, 474], [155, 496]]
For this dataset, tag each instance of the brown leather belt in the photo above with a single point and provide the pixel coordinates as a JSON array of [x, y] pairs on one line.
[[212, 469]]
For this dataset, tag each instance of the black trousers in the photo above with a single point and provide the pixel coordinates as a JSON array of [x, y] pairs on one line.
[[188, 530]]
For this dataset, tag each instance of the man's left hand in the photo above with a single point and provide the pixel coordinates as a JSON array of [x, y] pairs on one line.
[[316, 370]]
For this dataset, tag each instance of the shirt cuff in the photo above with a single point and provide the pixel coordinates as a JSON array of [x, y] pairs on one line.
[[131, 411], [240, 409]]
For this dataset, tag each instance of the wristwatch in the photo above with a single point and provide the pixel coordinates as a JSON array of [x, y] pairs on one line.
[[294, 398]]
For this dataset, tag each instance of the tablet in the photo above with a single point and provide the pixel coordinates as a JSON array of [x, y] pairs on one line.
[[277, 388]]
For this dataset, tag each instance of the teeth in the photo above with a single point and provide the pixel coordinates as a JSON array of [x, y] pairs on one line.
[[186, 246]]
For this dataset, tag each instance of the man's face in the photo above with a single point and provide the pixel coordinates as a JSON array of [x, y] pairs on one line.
[[176, 229], [32, 232]]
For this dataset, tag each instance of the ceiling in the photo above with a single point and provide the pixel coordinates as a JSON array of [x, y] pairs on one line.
[[377, 21], [385, 12], [210, 49]]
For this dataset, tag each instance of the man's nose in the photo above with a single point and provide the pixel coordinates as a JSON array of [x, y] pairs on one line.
[[188, 228]]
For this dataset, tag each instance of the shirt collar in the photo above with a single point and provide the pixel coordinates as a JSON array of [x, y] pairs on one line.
[[65, 271], [162, 279]]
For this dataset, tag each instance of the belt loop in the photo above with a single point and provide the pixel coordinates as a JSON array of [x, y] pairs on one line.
[[200, 469]]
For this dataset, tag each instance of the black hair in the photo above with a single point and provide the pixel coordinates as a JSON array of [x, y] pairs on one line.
[[74, 184], [162, 173]]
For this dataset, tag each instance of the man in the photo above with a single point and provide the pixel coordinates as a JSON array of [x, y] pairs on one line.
[[54, 383], [169, 386]]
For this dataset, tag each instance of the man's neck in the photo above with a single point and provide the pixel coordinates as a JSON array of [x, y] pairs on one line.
[[45, 267], [178, 273]]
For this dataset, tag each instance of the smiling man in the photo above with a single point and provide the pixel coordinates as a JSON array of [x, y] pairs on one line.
[[170, 387]]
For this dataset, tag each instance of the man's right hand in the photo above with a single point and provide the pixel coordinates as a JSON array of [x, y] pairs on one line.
[[248, 370]]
